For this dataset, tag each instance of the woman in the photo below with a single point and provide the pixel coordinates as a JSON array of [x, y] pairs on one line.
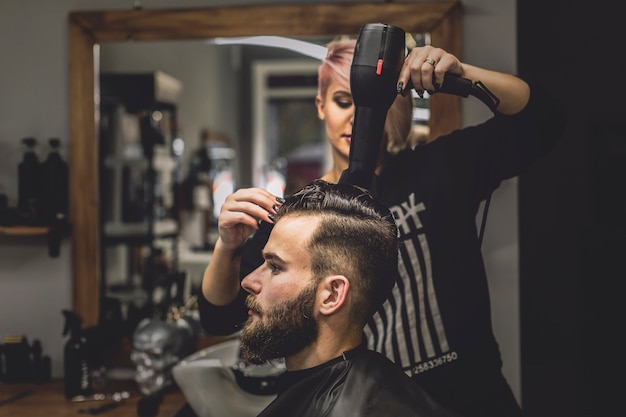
[[437, 324]]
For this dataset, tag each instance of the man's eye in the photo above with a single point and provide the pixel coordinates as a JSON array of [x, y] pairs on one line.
[[273, 267]]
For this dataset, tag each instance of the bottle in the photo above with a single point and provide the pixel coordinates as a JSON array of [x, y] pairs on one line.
[[76, 358], [55, 186], [28, 190]]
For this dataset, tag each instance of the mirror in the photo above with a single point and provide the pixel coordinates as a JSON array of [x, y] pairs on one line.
[[87, 29], [219, 93]]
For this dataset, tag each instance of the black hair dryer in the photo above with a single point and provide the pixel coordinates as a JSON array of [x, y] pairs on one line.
[[378, 57]]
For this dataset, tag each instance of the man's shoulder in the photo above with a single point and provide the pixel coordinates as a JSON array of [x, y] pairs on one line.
[[376, 386], [378, 367]]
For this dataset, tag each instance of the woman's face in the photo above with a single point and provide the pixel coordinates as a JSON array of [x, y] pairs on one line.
[[336, 109]]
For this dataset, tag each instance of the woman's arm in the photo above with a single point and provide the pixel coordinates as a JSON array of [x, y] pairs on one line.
[[238, 219], [423, 62]]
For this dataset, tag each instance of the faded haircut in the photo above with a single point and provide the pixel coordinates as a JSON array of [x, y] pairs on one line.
[[356, 237]]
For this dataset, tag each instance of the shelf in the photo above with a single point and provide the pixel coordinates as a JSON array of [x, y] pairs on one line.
[[138, 233], [24, 230], [48, 399], [160, 227], [53, 235]]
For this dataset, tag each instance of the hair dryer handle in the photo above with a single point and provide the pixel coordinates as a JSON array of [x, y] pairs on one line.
[[454, 84], [459, 86]]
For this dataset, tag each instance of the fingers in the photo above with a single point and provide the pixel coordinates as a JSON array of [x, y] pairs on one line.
[[425, 67], [249, 206], [242, 212], [258, 196]]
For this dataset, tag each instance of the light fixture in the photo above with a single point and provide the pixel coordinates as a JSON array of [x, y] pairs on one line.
[[305, 48]]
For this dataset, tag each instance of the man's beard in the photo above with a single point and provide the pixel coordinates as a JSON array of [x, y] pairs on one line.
[[283, 330]]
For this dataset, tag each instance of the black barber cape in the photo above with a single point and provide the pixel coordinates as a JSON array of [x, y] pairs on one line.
[[360, 383]]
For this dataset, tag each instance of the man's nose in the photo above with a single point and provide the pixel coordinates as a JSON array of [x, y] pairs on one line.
[[251, 282]]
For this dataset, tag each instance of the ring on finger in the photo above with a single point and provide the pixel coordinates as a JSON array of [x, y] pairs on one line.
[[430, 61]]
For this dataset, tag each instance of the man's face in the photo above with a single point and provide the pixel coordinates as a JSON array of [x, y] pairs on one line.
[[282, 295]]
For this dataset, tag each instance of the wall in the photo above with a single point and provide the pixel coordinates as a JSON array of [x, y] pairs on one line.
[[572, 205], [34, 102]]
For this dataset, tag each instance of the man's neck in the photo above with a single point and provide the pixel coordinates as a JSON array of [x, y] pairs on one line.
[[318, 353]]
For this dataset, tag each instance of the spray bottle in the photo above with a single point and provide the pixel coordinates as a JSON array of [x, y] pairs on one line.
[[54, 181], [28, 191], [76, 358]]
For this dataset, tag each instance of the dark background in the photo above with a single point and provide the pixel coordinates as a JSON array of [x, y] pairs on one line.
[[572, 211]]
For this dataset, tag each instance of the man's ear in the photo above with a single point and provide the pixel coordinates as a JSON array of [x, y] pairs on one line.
[[333, 294]]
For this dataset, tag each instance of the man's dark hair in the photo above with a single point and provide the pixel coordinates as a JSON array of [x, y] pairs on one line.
[[357, 237]]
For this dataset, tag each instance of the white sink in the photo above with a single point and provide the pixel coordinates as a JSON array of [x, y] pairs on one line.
[[208, 381]]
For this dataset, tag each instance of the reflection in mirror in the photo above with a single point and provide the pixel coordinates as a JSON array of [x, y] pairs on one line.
[[220, 87], [88, 30], [256, 101]]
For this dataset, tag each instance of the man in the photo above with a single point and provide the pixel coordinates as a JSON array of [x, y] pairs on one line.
[[328, 266]]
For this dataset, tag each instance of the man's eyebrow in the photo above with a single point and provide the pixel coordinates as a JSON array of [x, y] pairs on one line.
[[272, 256]]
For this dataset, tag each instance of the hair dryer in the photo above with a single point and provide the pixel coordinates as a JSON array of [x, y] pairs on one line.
[[378, 57]]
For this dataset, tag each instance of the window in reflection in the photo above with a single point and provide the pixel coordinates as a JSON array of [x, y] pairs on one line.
[[290, 140]]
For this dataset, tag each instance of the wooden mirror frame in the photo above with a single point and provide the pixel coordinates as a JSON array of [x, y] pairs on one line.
[[87, 29]]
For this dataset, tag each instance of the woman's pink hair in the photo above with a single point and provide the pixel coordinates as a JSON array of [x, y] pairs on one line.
[[336, 66]]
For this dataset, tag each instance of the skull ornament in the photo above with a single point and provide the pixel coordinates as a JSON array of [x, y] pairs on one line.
[[157, 346]]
